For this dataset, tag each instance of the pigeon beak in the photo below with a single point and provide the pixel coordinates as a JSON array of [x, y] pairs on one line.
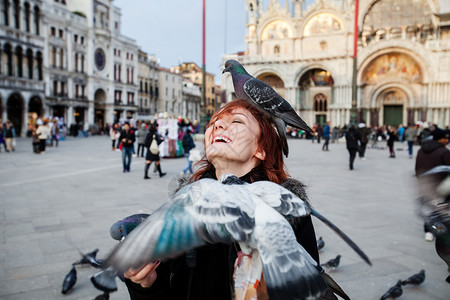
[[225, 70], [122, 239]]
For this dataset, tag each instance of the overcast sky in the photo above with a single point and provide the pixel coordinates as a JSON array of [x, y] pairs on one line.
[[172, 29]]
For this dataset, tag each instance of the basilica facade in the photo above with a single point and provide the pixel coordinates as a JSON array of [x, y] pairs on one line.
[[306, 54]]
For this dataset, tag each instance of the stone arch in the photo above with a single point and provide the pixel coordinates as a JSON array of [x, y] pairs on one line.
[[100, 99], [274, 80], [35, 105], [323, 21], [15, 111]]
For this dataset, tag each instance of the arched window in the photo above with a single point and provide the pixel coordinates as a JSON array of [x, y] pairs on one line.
[[36, 19], [27, 16], [61, 59], [30, 63], [276, 49], [4, 5], [82, 63], [16, 13], [76, 62], [54, 57], [19, 61], [39, 65], [320, 103], [9, 60]]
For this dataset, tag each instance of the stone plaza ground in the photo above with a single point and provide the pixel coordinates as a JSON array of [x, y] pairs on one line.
[[54, 205]]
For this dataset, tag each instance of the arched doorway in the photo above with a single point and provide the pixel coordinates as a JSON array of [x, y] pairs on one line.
[[35, 110], [15, 109], [274, 81], [99, 108], [391, 104]]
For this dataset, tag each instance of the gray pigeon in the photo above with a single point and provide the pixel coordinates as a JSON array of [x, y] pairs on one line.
[[394, 292], [332, 264], [69, 280], [264, 97], [415, 279], [225, 211]]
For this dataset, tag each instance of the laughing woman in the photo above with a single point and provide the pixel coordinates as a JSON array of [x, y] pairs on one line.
[[240, 139]]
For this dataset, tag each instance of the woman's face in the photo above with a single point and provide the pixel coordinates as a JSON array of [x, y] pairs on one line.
[[233, 137]]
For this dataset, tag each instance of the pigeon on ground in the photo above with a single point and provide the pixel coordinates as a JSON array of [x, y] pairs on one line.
[[89, 258], [320, 243], [104, 296], [207, 211], [394, 292], [69, 280], [105, 280], [264, 97], [415, 279], [122, 228], [332, 264]]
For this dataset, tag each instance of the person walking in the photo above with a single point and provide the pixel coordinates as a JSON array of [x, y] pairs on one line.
[[326, 136], [431, 154], [114, 135], [10, 135], [2, 136], [353, 139], [127, 138], [364, 133], [42, 133], [392, 135], [55, 133], [141, 135], [410, 136], [152, 142], [188, 145]]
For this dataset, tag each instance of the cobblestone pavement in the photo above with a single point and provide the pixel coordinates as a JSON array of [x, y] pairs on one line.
[[63, 201]]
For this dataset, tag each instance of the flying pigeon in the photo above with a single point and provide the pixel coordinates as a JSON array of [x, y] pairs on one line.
[[264, 97], [105, 280], [332, 264], [435, 211], [415, 279], [89, 258], [207, 211], [320, 243], [122, 228], [394, 292], [69, 280]]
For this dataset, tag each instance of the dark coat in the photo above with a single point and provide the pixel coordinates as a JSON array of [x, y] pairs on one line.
[[129, 136], [352, 137], [148, 141], [430, 155], [188, 143], [210, 270]]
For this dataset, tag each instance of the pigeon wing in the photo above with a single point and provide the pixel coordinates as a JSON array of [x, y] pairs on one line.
[[289, 271], [265, 97], [202, 212], [281, 199]]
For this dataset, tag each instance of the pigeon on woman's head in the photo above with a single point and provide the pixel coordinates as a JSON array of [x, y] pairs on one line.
[[264, 97]]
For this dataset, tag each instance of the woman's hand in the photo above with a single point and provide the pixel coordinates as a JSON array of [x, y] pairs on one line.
[[145, 276]]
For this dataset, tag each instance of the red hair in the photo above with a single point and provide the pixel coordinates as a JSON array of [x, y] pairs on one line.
[[272, 167]]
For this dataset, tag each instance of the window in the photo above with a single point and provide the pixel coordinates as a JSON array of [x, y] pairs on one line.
[[54, 57], [36, 20], [82, 63], [55, 88], [27, 17], [77, 92], [82, 40], [4, 12], [16, 13], [30, 63], [276, 49], [116, 25], [75, 38], [61, 33], [61, 59], [76, 62], [53, 31], [63, 88]]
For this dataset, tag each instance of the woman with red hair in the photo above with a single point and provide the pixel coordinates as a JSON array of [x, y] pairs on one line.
[[241, 140]]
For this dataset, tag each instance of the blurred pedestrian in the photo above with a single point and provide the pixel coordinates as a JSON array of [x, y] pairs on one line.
[[326, 136], [353, 140], [114, 134], [364, 133], [141, 135], [335, 135], [431, 154], [152, 142], [35, 140], [392, 136], [127, 139], [55, 133], [2, 136], [188, 145], [42, 133], [9, 135], [410, 136]]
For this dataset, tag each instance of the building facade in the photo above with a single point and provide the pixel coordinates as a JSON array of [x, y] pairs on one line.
[[306, 54], [170, 91], [192, 97], [65, 58], [22, 47], [148, 86]]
